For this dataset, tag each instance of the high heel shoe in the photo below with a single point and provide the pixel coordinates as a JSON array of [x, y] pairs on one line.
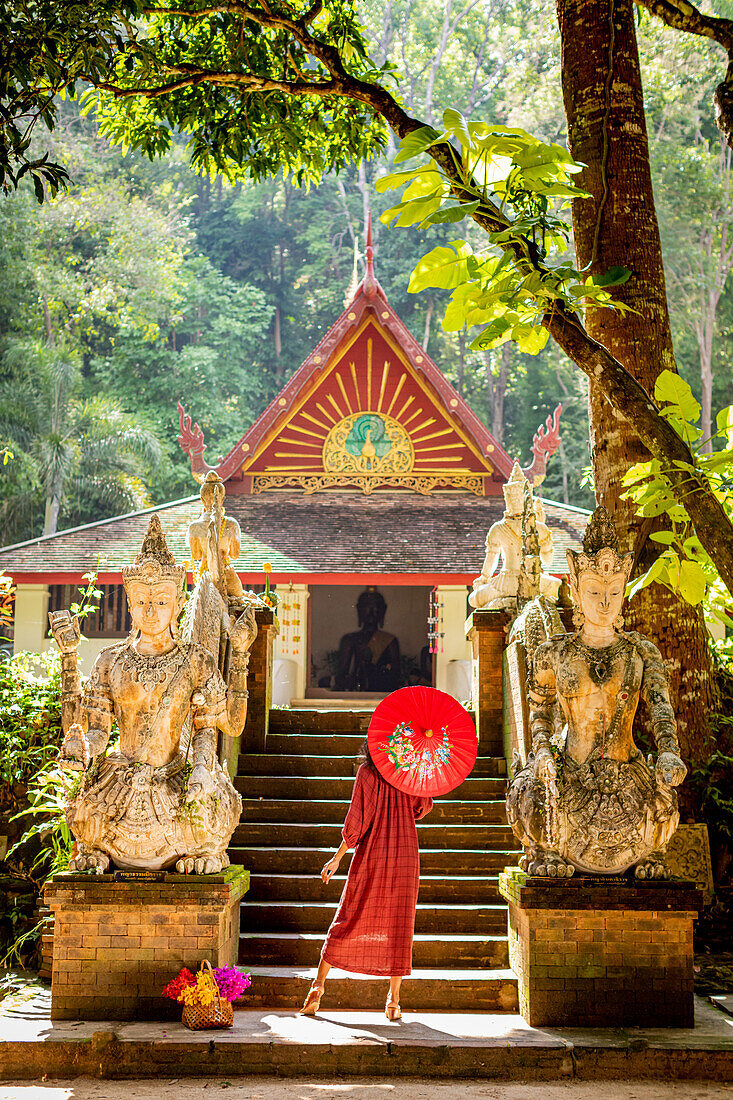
[[312, 1001], [393, 1011]]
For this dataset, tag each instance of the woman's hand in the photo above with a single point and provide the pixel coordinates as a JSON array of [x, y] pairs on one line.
[[330, 869]]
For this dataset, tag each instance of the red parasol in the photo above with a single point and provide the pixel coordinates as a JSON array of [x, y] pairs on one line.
[[422, 741]]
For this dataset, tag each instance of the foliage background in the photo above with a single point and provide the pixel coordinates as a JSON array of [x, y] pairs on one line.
[[146, 283]]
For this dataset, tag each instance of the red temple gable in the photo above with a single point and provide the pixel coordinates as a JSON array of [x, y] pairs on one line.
[[368, 409]]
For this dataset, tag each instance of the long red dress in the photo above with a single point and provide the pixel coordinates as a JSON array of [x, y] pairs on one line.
[[375, 921]]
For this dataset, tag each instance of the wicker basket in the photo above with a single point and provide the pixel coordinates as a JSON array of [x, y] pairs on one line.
[[218, 1014]]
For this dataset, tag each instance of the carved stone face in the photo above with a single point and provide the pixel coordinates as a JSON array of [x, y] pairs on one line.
[[153, 607], [601, 598]]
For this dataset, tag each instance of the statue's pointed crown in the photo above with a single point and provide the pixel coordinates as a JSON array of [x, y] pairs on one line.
[[155, 562], [513, 490], [600, 549]]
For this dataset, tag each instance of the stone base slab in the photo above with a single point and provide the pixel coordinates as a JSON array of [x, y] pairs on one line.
[[426, 1045], [117, 944], [609, 953]]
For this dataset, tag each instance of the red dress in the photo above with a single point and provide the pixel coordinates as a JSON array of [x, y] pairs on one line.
[[375, 921]]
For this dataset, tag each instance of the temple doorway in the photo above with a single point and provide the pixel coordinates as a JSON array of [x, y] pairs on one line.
[[367, 640]]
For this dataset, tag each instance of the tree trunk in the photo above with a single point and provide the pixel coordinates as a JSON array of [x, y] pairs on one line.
[[618, 226], [461, 361], [705, 331], [497, 389], [51, 516]]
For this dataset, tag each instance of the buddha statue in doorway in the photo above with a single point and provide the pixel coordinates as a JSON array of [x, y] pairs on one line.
[[369, 658], [587, 799]]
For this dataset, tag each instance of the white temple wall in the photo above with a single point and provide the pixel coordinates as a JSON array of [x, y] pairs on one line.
[[453, 657], [30, 618]]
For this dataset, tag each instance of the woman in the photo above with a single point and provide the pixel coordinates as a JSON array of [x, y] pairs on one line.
[[374, 923]]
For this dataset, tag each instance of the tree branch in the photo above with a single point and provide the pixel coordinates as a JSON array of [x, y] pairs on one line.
[[684, 16]]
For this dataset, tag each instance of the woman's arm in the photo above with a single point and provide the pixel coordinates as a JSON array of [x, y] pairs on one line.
[[331, 867]]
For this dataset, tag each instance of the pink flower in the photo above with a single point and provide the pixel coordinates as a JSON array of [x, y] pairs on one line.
[[231, 982]]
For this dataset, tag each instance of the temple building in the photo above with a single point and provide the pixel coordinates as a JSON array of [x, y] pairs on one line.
[[367, 485]]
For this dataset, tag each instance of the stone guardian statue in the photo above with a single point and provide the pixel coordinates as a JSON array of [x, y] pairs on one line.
[[587, 799], [497, 590], [161, 799]]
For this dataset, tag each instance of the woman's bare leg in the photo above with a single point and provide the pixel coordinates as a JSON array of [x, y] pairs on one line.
[[393, 1000], [313, 1000], [322, 974]]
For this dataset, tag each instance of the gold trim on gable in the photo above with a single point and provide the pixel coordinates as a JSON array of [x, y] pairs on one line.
[[423, 483]]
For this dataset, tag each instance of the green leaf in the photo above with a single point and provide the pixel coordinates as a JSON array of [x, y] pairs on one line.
[[655, 572], [724, 423], [673, 390], [615, 276], [442, 267], [397, 179], [453, 213], [415, 143], [666, 538], [457, 125], [693, 582]]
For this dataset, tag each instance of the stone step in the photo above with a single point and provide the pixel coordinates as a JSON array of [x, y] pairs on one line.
[[315, 744], [477, 990], [430, 950], [328, 787], [316, 916], [294, 834], [465, 889], [343, 767], [308, 860], [333, 811], [319, 721]]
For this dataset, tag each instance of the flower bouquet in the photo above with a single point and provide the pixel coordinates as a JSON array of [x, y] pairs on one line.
[[207, 996]]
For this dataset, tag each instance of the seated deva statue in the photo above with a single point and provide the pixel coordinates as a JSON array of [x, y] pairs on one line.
[[504, 543], [162, 799], [588, 800]]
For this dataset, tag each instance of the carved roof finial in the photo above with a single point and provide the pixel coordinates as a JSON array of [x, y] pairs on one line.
[[370, 283], [354, 284]]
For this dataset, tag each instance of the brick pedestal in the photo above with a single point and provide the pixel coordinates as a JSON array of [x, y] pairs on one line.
[[117, 943], [486, 631], [609, 953]]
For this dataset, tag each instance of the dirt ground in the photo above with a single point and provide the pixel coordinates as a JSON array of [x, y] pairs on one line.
[[258, 1088]]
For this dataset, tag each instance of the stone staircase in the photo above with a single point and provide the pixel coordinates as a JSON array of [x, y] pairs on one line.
[[295, 796]]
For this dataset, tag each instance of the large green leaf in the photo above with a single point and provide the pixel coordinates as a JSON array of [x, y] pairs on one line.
[[724, 423], [457, 125], [693, 582], [445, 267], [415, 143], [670, 389]]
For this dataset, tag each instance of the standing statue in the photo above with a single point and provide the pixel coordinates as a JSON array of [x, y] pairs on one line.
[[162, 798], [504, 542], [588, 800], [215, 541]]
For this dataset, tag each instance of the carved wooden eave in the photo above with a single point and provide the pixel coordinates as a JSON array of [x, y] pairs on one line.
[[367, 363]]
